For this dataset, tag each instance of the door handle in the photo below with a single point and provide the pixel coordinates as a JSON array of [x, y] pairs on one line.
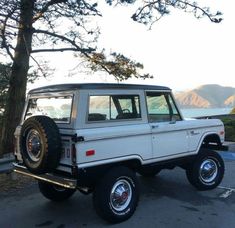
[[194, 133]]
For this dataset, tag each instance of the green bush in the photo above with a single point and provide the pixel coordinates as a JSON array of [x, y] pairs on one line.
[[229, 125], [1, 120]]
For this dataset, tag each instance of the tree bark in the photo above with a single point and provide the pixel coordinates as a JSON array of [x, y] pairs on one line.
[[18, 77]]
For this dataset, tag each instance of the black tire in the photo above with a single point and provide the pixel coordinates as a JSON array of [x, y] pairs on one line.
[[207, 171], [40, 144], [118, 180], [149, 172], [54, 192]]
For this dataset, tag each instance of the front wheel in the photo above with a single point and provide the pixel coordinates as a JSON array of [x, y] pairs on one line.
[[207, 171], [116, 197], [54, 192]]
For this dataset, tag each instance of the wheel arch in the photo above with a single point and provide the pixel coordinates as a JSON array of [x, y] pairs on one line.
[[210, 140], [133, 164], [90, 176]]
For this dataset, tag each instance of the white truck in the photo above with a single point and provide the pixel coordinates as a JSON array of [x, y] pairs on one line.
[[95, 138]]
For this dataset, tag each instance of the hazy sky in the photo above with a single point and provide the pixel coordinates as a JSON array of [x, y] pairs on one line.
[[180, 51]]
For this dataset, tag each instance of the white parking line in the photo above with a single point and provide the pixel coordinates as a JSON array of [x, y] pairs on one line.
[[227, 193]]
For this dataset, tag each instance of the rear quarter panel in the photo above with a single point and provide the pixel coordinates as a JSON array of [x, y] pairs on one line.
[[114, 144]]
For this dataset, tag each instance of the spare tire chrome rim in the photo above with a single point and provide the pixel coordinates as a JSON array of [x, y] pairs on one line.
[[33, 145], [208, 170], [121, 195]]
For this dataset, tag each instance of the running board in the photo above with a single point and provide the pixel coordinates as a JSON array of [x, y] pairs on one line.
[[47, 177]]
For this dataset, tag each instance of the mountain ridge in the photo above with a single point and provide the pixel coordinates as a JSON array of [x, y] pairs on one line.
[[207, 96]]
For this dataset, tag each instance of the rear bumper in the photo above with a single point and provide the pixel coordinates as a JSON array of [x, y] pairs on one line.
[[47, 177]]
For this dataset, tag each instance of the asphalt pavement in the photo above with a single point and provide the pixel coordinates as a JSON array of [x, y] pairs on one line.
[[167, 200], [6, 163]]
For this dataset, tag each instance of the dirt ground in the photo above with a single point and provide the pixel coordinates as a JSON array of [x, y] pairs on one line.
[[11, 183]]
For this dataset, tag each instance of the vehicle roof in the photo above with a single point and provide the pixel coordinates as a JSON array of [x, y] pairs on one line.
[[76, 86]]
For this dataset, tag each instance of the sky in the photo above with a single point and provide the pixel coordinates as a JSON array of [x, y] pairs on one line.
[[180, 51]]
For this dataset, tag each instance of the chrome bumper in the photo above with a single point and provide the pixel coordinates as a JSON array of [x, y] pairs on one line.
[[51, 178]]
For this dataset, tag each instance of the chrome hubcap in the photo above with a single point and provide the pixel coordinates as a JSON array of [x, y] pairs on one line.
[[121, 195], [208, 170], [33, 145]]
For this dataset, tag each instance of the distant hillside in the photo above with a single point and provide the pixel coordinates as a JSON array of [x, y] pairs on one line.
[[230, 101], [207, 96]]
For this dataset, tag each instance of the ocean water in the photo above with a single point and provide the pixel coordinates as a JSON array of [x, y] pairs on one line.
[[196, 112]]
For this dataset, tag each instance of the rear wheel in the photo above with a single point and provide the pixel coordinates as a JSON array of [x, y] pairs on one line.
[[116, 197], [55, 192], [207, 171]]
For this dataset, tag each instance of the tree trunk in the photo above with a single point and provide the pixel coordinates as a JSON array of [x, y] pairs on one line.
[[18, 78]]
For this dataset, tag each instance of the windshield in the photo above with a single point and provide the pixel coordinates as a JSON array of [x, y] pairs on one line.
[[57, 108]]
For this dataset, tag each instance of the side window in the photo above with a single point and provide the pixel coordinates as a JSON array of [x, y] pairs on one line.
[[175, 111], [127, 106], [161, 107], [99, 108], [114, 107]]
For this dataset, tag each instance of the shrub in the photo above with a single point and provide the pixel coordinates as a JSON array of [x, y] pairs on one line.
[[229, 125]]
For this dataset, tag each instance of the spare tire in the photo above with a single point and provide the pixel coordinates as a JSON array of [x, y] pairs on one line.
[[40, 144]]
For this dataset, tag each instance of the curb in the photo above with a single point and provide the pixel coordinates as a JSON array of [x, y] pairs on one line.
[[231, 146]]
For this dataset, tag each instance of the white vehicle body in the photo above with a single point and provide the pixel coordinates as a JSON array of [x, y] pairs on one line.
[[103, 126], [129, 139]]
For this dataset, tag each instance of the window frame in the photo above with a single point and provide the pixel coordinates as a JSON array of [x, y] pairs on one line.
[[171, 109], [41, 96], [110, 95]]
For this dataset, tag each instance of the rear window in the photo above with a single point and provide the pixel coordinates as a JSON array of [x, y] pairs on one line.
[[57, 108], [114, 107]]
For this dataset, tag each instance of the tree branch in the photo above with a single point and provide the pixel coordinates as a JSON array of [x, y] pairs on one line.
[[39, 66], [45, 8], [118, 65], [2, 34], [63, 38], [56, 50], [140, 14], [202, 10], [135, 15]]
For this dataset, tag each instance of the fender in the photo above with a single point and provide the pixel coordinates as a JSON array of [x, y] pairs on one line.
[[213, 143]]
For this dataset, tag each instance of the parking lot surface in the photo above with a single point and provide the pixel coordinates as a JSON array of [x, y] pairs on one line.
[[167, 200]]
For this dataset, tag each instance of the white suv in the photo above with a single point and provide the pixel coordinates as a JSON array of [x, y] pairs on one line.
[[96, 137]]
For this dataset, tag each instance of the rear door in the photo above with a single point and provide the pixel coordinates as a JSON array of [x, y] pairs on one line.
[[169, 135]]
